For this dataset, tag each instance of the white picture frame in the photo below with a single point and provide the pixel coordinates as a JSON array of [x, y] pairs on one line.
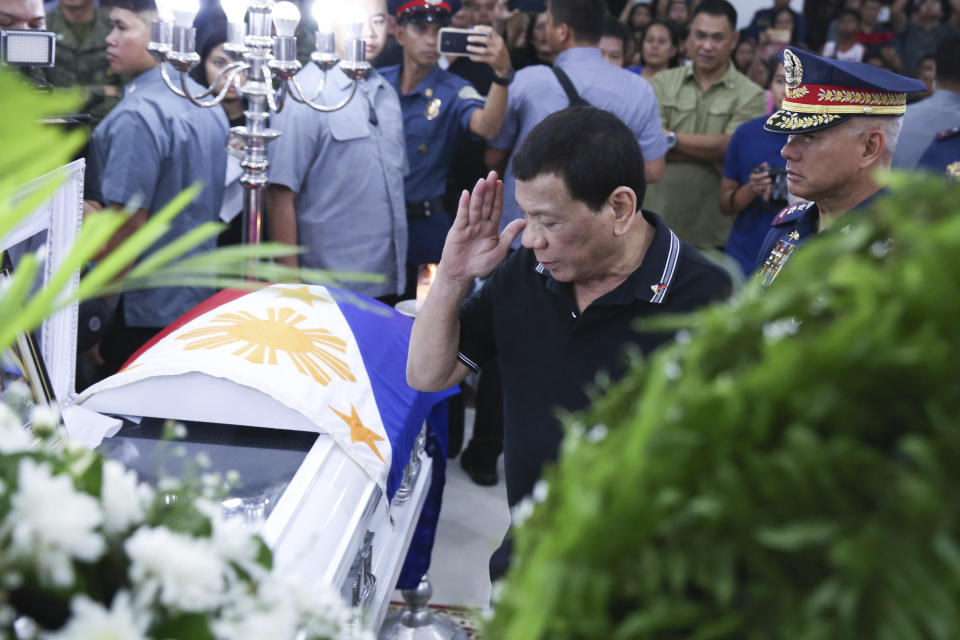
[[60, 217]]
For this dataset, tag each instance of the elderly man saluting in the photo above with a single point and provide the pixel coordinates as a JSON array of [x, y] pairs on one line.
[[560, 309], [843, 120]]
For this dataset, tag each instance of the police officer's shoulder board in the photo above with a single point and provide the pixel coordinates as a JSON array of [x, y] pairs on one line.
[[467, 92], [949, 133], [791, 214]]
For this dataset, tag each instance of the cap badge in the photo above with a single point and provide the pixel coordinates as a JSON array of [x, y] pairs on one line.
[[793, 69]]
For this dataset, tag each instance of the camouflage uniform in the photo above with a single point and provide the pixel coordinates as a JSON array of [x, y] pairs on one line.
[[84, 64]]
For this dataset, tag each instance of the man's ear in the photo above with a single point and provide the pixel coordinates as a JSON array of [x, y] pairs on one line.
[[623, 202], [874, 146], [565, 32]]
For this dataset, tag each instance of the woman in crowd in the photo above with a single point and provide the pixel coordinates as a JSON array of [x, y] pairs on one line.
[[637, 15], [745, 52], [783, 33], [678, 12], [538, 49], [753, 187], [213, 59], [659, 47]]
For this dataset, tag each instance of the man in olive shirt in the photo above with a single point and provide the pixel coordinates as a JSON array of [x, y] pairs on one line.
[[81, 59], [700, 106]]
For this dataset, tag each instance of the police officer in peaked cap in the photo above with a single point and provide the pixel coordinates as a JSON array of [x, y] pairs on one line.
[[842, 121], [437, 105]]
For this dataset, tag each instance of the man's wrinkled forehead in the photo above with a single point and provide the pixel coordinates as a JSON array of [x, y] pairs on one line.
[[22, 10], [373, 7]]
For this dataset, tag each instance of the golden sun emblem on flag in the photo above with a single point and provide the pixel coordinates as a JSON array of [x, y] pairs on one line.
[[310, 350]]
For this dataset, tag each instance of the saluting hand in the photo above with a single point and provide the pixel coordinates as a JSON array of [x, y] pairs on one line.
[[474, 245], [489, 48]]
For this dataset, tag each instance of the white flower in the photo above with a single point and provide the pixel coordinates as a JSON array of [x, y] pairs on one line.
[[45, 416], [318, 608], [234, 542], [672, 370], [286, 605], [779, 329], [52, 521], [597, 433], [521, 511], [124, 500], [92, 621], [182, 571], [541, 490], [253, 621], [14, 438]]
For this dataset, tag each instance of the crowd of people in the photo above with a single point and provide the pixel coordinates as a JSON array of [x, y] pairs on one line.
[[628, 137]]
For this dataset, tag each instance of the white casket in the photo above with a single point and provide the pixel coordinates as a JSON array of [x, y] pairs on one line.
[[316, 440], [301, 421]]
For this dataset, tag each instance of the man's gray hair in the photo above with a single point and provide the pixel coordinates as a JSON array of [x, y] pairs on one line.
[[889, 126]]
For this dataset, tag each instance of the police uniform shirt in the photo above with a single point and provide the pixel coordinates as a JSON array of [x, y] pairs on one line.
[[550, 352], [921, 124], [791, 228], [433, 115], [943, 156], [535, 93], [152, 146], [346, 169]]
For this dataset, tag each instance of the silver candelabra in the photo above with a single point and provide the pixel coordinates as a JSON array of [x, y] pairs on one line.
[[262, 71]]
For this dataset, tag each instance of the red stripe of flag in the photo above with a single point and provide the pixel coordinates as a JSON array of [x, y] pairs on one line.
[[214, 301]]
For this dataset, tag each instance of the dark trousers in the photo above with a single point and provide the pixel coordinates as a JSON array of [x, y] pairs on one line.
[[486, 445], [121, 342]]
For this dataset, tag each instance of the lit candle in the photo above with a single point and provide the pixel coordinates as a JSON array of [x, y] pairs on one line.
[[425, 275]]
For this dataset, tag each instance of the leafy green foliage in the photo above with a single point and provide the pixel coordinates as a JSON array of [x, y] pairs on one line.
[[787, 469]]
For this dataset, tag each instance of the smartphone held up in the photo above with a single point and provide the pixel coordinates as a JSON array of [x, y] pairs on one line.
[[454, 42]]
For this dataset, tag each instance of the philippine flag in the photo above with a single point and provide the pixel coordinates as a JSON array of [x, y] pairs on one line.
[[335, 358]]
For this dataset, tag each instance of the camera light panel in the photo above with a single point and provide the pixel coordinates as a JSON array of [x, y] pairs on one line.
[[28, 48]]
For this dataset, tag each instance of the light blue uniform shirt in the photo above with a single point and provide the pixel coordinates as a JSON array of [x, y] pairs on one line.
[[921, 124], [432, 141], [535, 93], [153, 145], [347, 174]]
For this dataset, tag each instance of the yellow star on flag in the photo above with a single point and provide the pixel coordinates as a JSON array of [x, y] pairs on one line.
[[358, 432], [302, 294]]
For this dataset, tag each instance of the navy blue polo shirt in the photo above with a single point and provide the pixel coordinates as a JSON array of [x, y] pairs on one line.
[[550, 352]]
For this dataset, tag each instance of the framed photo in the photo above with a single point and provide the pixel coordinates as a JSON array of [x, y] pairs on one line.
[[46, 362], [23, 378]]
